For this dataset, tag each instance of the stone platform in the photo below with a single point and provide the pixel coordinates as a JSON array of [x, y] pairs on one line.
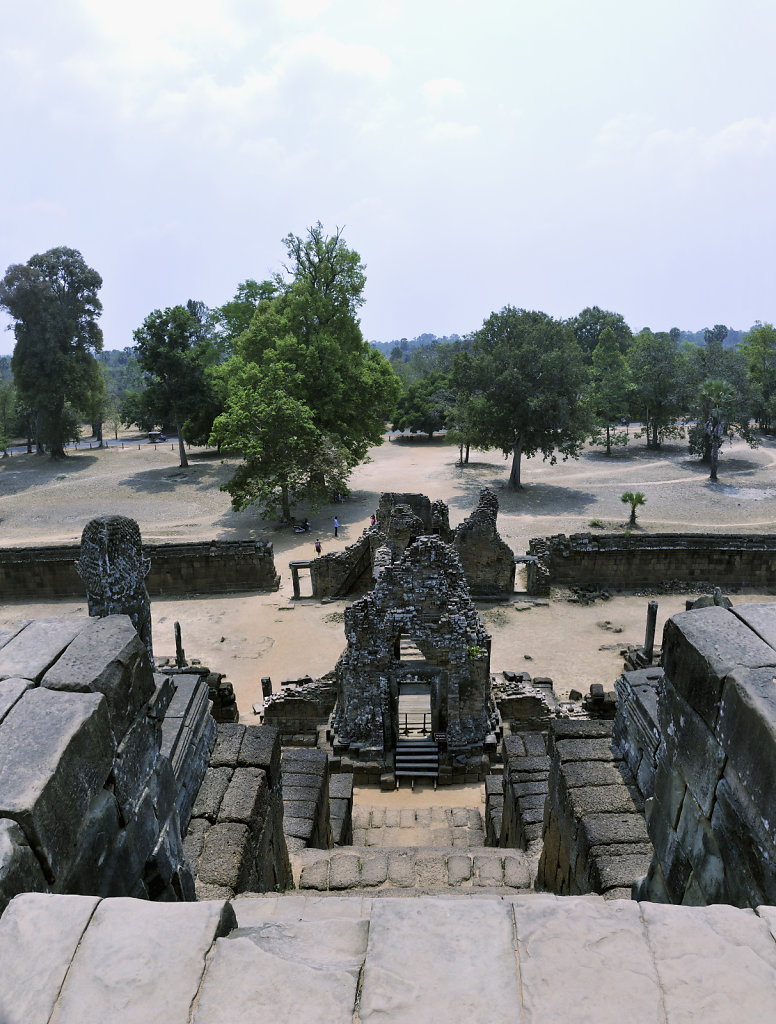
[[344, 959]]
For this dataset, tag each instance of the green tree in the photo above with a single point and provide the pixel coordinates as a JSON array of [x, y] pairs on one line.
[[654, 363], [275, 433], [172, 354], [8, 415], [527, 382], [311, 324], [589, 324], [718, 396], [634, 499], [609, 390], [759, 351], [53, 301], [424, 405]]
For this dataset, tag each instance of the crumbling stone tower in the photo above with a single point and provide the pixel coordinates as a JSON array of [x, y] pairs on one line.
[[421, 602]]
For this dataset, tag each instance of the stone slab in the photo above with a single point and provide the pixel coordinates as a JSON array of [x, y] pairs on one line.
[[226, 857], [412, 945], [208, 801], [701, 647], [585, 961], [10, 692], [227, 746], [141, 962], [56, 751], [36, 647], [715, 964], [246, 797], [309, 971], [107, 657], [746, 729], [39, 935], [20, 870]]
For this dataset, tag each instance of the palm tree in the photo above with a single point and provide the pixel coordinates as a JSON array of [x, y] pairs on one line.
[[717, 394], [634, 499]]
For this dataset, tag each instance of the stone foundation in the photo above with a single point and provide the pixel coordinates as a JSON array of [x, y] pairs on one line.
[[89, 800], [595, 838], [235, 840], [526, 774], [712, 818], [306, 815]]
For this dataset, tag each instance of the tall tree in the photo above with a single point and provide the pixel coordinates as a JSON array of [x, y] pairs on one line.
[[759, 351], [311, 324], [609, 390], [528, 382], [654, 362], [53, 301], [172, 354], [587, 327]]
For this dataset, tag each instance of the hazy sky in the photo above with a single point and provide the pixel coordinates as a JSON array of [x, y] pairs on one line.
[[550, 154]]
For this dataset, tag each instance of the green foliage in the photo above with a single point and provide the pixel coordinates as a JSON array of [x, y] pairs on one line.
[[475, 651], [271, 427], [589, 325], [524, 381], [309, 322], [759, 352], [634, 499], [424, 405], [53, 302], [609, 390], [172, 351], [654, 364]]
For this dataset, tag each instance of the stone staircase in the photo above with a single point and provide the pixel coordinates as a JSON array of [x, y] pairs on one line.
[[417, 753], [371, 871]]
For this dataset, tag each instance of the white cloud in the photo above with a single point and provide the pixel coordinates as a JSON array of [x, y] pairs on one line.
[[352, 58], [440, 89], [452, 131]]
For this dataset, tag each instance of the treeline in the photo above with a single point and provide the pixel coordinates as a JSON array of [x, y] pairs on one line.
[[528, 384], [281, 376]]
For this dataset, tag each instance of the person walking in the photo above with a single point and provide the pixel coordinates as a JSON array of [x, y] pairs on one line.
[[317, 546], [336, 525]]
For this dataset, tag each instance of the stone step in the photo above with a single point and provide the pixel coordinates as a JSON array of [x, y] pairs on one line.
[[407, 871]]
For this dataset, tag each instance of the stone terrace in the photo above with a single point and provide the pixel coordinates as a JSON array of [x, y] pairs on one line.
[[344, 959]]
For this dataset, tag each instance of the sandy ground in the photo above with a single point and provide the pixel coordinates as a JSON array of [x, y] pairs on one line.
[[250, 636]]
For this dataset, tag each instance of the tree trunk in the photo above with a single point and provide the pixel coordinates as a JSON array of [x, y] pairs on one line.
[[460, 454], [632, 520], [182, 448], [714, 458], [608, 441], [514, 476], [466, 460], [286, 503], [655, 443]]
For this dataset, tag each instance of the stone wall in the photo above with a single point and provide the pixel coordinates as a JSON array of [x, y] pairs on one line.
[[235, 840], [306, 819], [636, 733], [207, 567], [488, 563], [298, 710], [727, 560], [526, 773], [595, 839], [88, 799], [712, 819], [337, 572]]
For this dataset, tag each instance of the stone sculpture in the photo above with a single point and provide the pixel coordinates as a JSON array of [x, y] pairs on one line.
[[113, 569]]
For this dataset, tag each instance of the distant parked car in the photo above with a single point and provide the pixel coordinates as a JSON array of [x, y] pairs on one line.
[[156, 435]]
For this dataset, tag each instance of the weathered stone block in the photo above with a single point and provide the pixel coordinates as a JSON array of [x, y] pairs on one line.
[[701, 647], [746, 729], [229, 738], [745, 844], [607, 829], [246, 797], [36, 647], [39, 935], [56, 752], [20, 870], [107, 656], [99, 831], [690, 747], [341, 786], [211, 793], [226, 857], [585, 750], [194, 840], [595, 773], [10, 692], [135, 760], [698, 842], [601, 799], [260, 748]]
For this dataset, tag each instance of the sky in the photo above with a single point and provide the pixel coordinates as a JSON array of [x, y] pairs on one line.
[[546, 154]]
